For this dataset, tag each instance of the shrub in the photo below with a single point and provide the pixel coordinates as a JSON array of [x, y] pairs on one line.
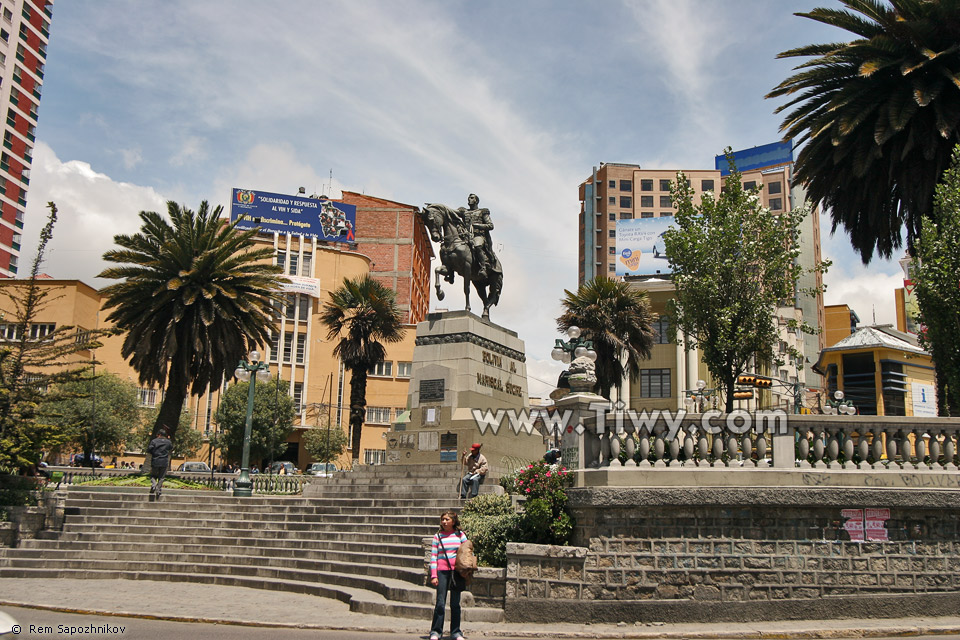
[[545, 519], [490, 522]]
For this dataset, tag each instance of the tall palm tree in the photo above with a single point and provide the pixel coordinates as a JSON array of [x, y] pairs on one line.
[[193, 296], [618, 320], [361, 313], [879, 115]]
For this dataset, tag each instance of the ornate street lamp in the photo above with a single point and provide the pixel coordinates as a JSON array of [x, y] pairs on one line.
[[261, 370], [698, 399], [839, 406], [575, 347]]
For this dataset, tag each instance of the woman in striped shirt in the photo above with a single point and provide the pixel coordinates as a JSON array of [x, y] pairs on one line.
[[443, 556]]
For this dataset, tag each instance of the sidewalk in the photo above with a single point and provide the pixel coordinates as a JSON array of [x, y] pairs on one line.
[[186, 602]]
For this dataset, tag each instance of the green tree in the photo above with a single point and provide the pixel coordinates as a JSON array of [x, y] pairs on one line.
[[194, 296], [273, 414], [936, 271], [325, 444], [617, 318], [186, 440], [733, 263], [879, 115], [97, 413], [361, 313], [31, 364]]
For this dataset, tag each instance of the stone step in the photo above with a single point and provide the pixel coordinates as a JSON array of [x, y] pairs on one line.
[[230, 527], [190, 536], [360, 600], [344, 504], [148, 516], [407, 556]]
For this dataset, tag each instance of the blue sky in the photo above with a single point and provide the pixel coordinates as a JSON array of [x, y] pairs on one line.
[[411, 101]]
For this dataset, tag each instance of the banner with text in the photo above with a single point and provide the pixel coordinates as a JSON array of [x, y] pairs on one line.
[[311, 217], [640, 249]]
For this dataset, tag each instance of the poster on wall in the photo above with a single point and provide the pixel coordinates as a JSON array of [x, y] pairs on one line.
[[311, 217], [640, 250], [924, 399]]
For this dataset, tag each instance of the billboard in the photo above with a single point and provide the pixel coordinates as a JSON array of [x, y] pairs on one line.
[[640, 250], [321, 219], [768, 155]]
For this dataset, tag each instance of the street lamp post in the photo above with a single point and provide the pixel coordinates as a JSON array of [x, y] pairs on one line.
[[839, 405], [698, 399], [576, 347], [260, 370]]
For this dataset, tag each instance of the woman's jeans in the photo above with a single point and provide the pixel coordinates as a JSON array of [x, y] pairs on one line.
[[445, 581]]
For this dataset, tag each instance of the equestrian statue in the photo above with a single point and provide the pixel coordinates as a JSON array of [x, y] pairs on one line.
[[465, 249]]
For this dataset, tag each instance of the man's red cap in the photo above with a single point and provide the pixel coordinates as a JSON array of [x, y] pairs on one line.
[[474, 446]]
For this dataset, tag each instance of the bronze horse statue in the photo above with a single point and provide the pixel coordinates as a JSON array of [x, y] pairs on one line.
[[447, 227]]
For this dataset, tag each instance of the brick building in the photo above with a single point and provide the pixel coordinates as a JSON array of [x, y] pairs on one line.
[[24, 33]]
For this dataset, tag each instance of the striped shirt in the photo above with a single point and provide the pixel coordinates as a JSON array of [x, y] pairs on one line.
[[443, 559]]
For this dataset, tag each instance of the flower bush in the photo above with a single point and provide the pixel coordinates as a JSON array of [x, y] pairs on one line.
[[545, 519]]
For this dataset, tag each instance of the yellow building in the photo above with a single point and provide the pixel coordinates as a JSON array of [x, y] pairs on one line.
[[882, 371], [300, 350], [840, 322]]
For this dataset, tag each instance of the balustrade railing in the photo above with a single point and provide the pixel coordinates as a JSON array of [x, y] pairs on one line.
[[806, 442], [262, 483]]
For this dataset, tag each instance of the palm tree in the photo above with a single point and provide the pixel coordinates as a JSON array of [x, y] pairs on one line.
[[193, 296], [879, 116], [618, 320], [361, 313]]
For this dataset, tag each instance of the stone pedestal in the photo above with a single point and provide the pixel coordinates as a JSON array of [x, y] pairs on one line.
[[464, 366]]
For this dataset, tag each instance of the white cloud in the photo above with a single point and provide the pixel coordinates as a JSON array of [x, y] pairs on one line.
[[131, 157], [92, 209], [192, 148]]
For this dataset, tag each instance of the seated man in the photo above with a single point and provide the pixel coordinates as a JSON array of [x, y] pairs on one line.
[[476, 466]]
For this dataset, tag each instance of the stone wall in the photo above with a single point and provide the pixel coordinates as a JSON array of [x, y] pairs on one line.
[[691, 554]]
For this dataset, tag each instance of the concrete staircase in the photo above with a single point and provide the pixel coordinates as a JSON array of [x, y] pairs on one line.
[[356, 537]]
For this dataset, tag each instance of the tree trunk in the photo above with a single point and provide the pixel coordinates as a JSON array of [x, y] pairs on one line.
[[730, 384], [358, 407], [169, 414]]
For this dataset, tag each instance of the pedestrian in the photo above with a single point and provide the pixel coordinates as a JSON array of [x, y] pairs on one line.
[[159, 449], [443, 575], [476, 465]]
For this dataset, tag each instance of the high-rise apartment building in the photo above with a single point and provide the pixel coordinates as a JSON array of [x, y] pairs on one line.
[[24, 33], [615, 192]]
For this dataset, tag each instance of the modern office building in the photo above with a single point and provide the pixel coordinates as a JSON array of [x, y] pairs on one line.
[[24, 33], [617, 192]]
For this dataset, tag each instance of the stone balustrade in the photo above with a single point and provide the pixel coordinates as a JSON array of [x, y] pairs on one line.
[[262, 482], [742, 441]]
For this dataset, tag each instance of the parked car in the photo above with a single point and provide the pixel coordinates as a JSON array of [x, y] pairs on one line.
[[322, 469], [194, 467], [289, 468]]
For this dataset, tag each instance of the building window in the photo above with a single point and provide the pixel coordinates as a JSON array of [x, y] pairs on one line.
[[301, 347], [664, 185], [776, 204], [612, 268], [147, 397], [646, 214], [706, 185], [274, 346], [612, 200], [306, 265], [626, 216], [774, 188], [646, 201], [666, 201], [41, 330], [382, 369], [666, 214], [290, 308], [646, 185], [626, 202], [298, 396], [613, 233], [613, 184], [752, 184], [294, 263], [8, 332], [655, 383], [282, 261], [304, 303], [613, 251], [287, 346], [613, 216], [661, 331], [626, 185], [404, 369], [378, 415], [374, 456]]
